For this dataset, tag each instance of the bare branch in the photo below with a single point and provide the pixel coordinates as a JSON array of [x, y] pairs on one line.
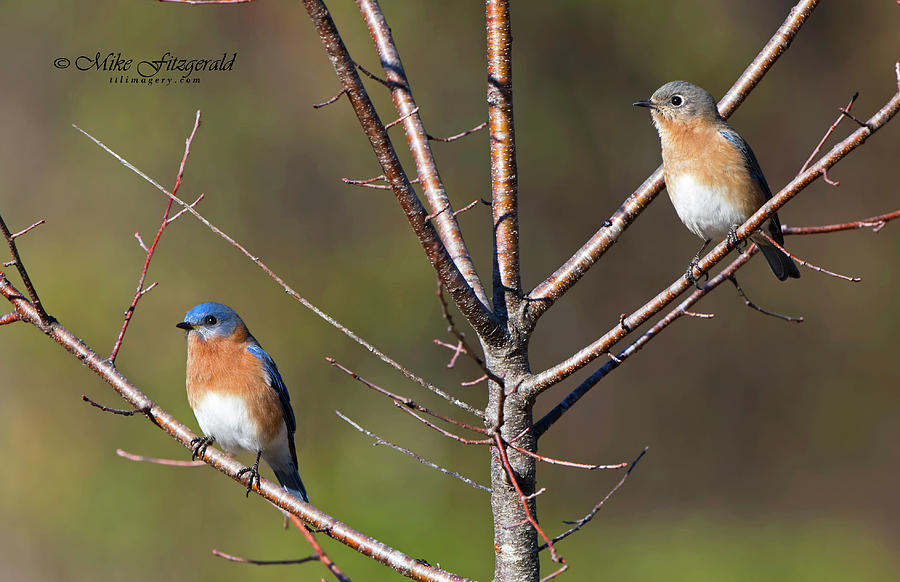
[[9, 318], [20, 267], [313, 558], [752, 305], [470, 304], [330, 101], [129, 313], [581, 522], [828, 133], [381, 441], [478, 127], [807, 263], [876, 223], [504, 175], [528, 515], [157, 461], [407, 402], [426, 167], [551, 289], [119, 411]]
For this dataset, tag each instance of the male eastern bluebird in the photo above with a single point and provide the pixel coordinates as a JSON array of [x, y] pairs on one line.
[[712, 176], [237, 394]]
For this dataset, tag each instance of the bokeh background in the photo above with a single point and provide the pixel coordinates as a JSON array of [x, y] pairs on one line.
[[773, 446]]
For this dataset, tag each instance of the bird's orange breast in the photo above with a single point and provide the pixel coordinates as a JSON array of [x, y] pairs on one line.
[[224, 366]]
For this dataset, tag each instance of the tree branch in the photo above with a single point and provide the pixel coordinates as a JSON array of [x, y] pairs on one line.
[[504, 175], [542, 297], [140, 291], [476, 312], [426, 167]]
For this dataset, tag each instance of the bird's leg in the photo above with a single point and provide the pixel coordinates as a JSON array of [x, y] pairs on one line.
[[254, 473], [199, 445], [732, 238], [689, 274]]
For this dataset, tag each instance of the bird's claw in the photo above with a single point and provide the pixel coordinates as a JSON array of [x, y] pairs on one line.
[[732, 239], [199, 445], [254, 476], [689, 274]]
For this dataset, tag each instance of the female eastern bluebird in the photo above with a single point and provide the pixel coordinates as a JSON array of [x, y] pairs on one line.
[[712, 176], [237, 394]]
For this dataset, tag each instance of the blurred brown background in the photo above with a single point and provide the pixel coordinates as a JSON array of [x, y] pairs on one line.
[[773, 446]]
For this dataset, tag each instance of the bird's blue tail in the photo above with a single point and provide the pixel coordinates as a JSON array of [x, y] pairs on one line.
[[289, 478]]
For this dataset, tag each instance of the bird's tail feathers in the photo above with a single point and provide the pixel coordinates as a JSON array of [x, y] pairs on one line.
[[289, 478], [782, 265]]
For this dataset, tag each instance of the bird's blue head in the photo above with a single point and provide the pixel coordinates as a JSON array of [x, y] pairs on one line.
[[211, 320]]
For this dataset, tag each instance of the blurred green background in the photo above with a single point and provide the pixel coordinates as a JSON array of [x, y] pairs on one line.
[[773, 446]]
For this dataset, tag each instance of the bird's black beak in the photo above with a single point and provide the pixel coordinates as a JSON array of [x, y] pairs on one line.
[[646, 103], [185, 326]]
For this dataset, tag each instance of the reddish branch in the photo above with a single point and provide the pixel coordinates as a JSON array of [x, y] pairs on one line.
[[551, 289], [476, 311], [157, 461], [581, 522], [807, 263], [541, 381], [498, 440], [380, 441], [140, 291], [504, 180], [403, 400], [20, 267]]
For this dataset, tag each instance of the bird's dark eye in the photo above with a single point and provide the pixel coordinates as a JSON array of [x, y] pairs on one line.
[[210, 320], [677, 100]]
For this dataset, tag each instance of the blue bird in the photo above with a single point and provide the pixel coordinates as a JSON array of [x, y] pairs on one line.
[[713, 178], [237, 394]]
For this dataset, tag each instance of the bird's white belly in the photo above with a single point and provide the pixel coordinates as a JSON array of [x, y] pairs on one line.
[[707, 211], [227, 419]]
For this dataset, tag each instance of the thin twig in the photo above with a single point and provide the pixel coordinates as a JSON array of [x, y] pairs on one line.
[[401, 118], [157, 461], [446, 433], [566, 463], [118, 411], [581, 522], [407, 402], [827, 135], [26, 230], [313, 558], [807, 263], [20, 267], [330, 101], [515, 482], [381, 441], [876, 223], [478, 127], [752, 305], [183, 210], [129, 313]]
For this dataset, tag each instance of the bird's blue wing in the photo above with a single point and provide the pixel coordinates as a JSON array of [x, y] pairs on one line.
[[749, 159], [273, 379], [774, 225]]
